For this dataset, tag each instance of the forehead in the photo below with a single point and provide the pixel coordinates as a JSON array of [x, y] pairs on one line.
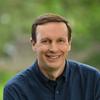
[[51, 26], [52, 29]]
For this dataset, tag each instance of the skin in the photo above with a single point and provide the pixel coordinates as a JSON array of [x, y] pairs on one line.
[[51, 48]]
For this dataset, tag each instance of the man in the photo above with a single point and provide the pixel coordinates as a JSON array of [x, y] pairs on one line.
[[53, 76]]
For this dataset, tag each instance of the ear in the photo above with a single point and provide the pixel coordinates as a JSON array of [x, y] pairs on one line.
[[33, 44], [32, 41], [30, 38], [69, 43]]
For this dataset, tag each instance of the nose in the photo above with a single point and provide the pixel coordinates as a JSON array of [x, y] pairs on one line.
[[53, 47]]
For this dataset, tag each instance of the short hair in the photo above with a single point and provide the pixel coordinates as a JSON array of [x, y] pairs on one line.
[[47, 18]]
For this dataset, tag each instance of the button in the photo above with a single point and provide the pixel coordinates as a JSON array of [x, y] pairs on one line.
[[57, 92]]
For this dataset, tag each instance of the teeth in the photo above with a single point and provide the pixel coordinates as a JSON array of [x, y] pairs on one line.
[[53, 57]]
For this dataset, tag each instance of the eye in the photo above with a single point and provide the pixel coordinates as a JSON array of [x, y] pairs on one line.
[[45, 41], [61, 40]]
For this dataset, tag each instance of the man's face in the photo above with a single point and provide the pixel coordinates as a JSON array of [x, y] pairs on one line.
[[52, 45]]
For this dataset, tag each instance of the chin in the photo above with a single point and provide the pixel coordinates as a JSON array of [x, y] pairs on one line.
[[54, 65]]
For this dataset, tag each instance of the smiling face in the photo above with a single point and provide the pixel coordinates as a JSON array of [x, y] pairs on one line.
[[51, 45]]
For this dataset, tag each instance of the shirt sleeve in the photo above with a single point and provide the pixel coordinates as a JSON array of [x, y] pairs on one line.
[[98, 88], [7, 95], [11, 93]]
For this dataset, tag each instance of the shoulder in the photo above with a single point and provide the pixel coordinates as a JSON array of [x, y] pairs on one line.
[[81, 66], [83, 69], [20, 79]]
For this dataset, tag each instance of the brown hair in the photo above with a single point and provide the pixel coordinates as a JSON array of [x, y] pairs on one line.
[[46, 19]]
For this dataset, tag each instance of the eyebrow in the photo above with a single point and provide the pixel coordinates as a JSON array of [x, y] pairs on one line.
[[46, 38]]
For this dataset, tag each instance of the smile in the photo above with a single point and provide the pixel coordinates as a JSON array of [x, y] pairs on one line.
[[53, 57]]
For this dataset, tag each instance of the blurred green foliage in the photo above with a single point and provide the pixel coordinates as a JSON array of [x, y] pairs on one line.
[[17, 16], [4, 76]]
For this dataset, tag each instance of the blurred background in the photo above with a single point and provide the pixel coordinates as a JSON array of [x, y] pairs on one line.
[[16, 18]]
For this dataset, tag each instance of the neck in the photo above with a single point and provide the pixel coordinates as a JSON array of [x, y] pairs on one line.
[[52, 74]]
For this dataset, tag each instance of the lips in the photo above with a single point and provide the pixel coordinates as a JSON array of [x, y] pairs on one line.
[[53, 57]]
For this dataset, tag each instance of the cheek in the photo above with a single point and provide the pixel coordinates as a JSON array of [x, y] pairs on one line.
[[64, 48], [41, 48]]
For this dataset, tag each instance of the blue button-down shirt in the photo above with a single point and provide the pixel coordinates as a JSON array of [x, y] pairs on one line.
[[77, 82]]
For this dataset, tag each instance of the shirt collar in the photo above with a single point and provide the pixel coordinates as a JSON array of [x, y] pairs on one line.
[[40, 75]]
